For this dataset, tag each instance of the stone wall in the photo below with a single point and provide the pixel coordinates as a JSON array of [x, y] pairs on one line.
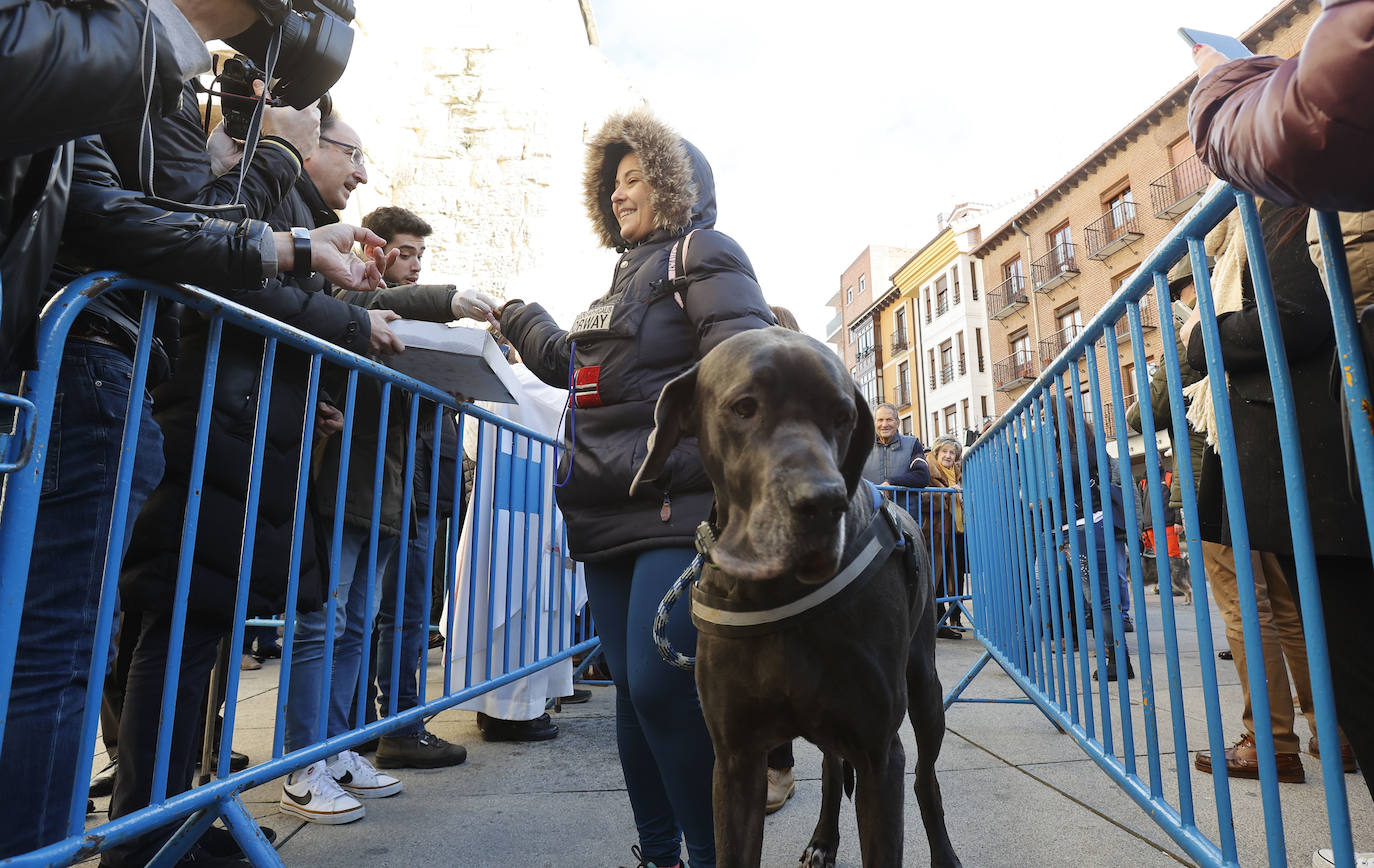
[[474, 115]]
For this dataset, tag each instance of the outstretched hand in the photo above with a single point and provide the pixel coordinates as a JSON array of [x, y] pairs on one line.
[[331, 253]]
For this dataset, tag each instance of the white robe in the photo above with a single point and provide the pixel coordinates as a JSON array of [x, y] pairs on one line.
[[514, 483]]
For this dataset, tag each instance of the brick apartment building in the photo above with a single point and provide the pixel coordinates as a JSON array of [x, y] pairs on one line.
[[941, 306], [857, 330], [1052, 266]]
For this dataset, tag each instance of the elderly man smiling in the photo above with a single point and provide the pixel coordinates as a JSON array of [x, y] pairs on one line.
[[897, 459]]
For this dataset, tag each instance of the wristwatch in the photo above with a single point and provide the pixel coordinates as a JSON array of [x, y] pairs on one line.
[[300, 250]]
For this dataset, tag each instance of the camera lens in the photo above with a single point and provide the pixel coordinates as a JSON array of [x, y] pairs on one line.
[[342, 8]]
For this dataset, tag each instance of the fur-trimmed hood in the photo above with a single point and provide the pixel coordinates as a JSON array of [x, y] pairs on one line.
[[684, 190]]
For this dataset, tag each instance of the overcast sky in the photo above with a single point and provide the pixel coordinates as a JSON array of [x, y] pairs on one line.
[[838, 125]]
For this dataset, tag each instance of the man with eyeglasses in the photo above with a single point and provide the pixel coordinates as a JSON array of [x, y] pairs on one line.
[[328, 791]]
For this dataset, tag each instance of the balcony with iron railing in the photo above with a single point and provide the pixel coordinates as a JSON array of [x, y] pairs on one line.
[[1149, 318], [941, 306], [902, 397], [899, 340], [947, 372], [1173, 194], [1017, 369], [932, 381], [1055, 267], [1112, 231], [1008, 296], [1055, 343]]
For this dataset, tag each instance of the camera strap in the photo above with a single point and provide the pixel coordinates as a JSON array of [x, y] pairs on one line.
[[250, 145]]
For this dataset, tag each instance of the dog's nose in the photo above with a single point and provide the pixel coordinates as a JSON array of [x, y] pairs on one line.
[[819, 503]]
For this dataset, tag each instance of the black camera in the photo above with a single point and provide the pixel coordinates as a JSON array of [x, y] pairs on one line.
[[315, 44], [237, 99]]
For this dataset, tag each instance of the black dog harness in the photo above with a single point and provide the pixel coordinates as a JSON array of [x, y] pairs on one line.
[[864, 557]]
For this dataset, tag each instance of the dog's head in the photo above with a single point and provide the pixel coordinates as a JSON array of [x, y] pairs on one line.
[[784, 433]]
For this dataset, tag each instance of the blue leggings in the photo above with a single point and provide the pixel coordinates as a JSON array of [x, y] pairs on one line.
[[665, 750]]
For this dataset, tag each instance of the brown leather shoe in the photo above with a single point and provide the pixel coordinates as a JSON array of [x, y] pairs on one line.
[[1242, 761], [1348, 763], [781, 785]]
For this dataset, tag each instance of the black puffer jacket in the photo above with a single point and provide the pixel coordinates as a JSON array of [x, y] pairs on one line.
[[634, 340], [68, 70], [146, 581], [1305, 320]]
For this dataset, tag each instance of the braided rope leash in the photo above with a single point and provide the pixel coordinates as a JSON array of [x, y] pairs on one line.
[[665, 606]]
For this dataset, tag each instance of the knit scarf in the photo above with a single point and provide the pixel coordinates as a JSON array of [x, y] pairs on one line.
[[1227, 244]]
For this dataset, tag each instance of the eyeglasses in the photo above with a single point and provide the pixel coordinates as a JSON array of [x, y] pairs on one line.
[[355, 153]]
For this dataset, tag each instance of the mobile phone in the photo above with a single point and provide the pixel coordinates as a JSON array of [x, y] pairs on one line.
[[1229, 46]]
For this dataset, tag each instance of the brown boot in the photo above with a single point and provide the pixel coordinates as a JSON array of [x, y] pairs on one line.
[[1242, 761], [1348, 763], [781, 785]]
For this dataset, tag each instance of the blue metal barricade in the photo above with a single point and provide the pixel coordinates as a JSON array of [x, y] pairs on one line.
[[1046, 539], [529, 588]]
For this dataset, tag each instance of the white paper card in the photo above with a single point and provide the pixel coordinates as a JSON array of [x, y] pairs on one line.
[[454, 359]]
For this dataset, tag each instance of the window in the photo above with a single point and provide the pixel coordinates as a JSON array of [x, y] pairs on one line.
[[931, 367], [1122, 208], [903, 383], [863, 283], [983, 402], [906, 424], [946, 361], [951, 418], [1020, 347], [850, 297], [965, 408], [1069, 322], [963, 363], [1014, 276], [1061, 234], [927, 305], [941, 295], [973, 280], [899, 328], [955, 272], [1060, 240], [935, 424], [978, 346]]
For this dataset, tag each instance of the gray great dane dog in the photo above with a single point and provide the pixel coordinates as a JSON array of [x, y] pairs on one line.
[[784, 434]]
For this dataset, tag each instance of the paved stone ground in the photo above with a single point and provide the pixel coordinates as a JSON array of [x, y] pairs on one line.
[[1016, 791]]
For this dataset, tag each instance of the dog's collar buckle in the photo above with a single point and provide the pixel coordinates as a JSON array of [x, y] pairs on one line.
[[705, 541]]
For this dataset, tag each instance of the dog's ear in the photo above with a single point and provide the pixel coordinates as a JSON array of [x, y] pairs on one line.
[[672, 418], [860, 444]]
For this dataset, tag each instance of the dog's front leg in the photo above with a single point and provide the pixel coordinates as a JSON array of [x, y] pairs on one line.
[[878, 807], [739, 789]]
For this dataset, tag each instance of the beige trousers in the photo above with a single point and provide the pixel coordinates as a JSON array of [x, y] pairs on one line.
[[1280, 636]]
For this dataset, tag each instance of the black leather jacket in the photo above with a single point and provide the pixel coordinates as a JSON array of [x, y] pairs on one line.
[[68, 70]]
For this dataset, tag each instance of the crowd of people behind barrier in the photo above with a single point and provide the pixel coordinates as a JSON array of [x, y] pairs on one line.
[[80, 193]]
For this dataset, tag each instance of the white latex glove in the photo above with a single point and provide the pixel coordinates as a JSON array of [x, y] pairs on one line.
[[225, 153], [474, 305]]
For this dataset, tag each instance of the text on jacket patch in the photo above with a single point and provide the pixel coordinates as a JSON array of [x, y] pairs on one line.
[[593, 321]]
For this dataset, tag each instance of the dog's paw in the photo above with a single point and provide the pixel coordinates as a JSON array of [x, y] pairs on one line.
[[817, 856]]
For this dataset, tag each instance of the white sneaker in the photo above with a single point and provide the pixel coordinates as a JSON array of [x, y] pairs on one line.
[[359, 777], [311, 794], [1327, 859]]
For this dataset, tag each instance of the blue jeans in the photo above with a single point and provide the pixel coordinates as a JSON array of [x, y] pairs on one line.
[[414, 633], [352, 630], [57, 632], [665, 750]]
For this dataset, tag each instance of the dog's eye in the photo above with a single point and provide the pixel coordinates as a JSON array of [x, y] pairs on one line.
[[745, 408]]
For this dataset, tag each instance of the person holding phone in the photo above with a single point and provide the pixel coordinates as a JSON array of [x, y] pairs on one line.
[[1296, 131]]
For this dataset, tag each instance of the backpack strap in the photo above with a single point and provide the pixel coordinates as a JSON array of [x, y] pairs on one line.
[[677, 267]]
